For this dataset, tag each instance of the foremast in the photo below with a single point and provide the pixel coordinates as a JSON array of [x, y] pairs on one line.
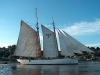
[[55, 34], [37, 29]]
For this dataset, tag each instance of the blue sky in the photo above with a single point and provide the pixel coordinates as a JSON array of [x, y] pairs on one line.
[[79, 18]]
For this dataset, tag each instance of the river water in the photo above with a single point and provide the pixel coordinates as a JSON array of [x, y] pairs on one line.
[[83, 68]]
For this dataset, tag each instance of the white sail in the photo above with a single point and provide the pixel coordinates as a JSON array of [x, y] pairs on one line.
[[79, 46], [62, 47], [65, 48], [70, 45], [27, 44], [49, 43]]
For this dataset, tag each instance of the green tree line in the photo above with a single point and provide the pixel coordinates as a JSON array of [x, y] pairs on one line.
[[7, 53]]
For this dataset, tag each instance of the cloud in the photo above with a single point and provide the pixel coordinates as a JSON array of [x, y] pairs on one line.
[[94, 45], [83, 27]]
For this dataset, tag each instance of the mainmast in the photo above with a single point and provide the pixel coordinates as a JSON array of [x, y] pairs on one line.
[[37, 27]]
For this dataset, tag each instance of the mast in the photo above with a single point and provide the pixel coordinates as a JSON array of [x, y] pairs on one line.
[[37, 27], [54, 33], [53, 26], [37, 23]]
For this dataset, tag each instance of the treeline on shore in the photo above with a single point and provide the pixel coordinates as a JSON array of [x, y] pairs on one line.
[[7, 53]]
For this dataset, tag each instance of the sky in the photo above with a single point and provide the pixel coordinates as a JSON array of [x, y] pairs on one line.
[[79, 18]]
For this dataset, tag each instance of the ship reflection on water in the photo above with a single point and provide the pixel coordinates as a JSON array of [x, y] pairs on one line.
[[47, 70], [83, 68]]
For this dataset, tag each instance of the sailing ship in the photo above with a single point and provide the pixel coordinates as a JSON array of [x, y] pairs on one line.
[[29, 49]]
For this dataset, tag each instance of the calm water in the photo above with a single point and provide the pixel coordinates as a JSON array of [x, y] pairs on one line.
[[83, 68]]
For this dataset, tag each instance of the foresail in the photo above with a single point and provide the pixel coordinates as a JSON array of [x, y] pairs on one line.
[[70, 45], [65, 50], [79, 46], [27, 44], [49, 43]]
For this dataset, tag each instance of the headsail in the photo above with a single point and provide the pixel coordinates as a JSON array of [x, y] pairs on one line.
[[79, 46], [49, 43], [70, 45], [65, 48], [27, 44]]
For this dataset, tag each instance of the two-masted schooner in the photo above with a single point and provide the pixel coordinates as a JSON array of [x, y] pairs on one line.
[[29, 49]]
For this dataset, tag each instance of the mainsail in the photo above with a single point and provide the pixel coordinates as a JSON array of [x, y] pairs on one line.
[[79, 46], [49, 43], [27, 45]]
